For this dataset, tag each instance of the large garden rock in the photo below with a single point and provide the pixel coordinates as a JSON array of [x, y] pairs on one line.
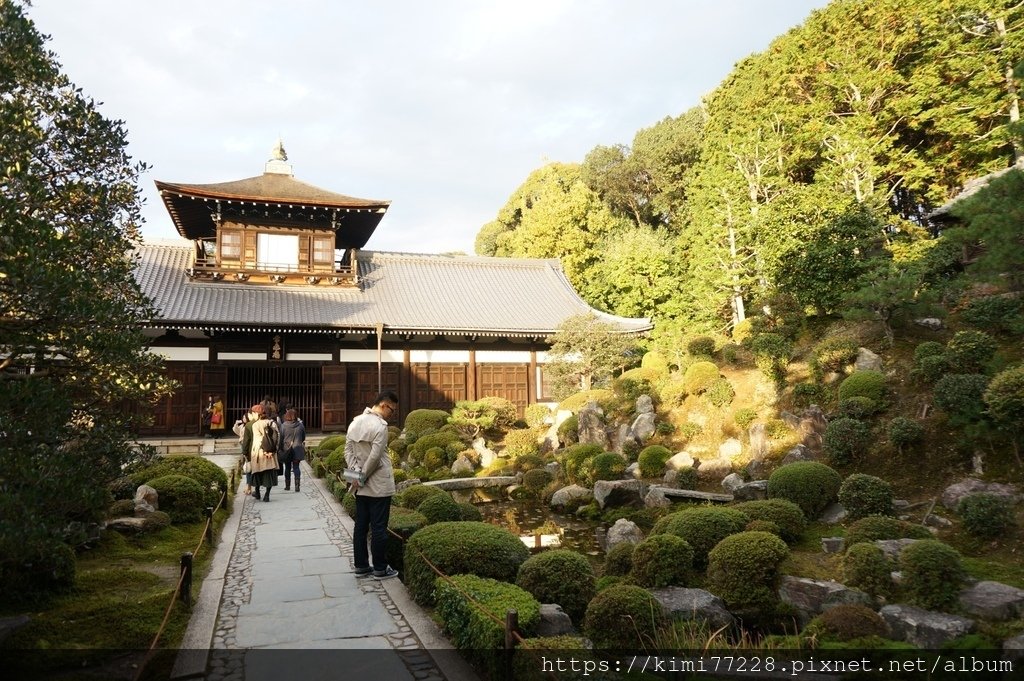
[[867, 361], [924, 628], [758, 470], [680, 461], [833, 514], [146, 500], [487, 455], [656, 499], [616, 492], [553, 467], [732, 482], [715, 469], [760, 443], [892, 548], [554, 621], [933, 323], [643, 427], [993, 601], [1014, 648], [591, 425], [644, 405], [811, 597], [751, 491], [570, 493], [798, 453], [812, 427], [694, 604], [462, 465], [623, 531], [952, 495], [131, 525]]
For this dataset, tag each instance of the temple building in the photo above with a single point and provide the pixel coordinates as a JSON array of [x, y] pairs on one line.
[[271, 292]]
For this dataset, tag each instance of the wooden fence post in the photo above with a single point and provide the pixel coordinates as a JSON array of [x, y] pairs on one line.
[[186, 583]]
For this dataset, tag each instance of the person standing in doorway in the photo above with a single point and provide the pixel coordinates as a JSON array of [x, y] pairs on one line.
[[217, 425], [366, 451], [293, 447]]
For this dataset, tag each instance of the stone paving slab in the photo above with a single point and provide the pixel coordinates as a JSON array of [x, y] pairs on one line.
[[286, 589]]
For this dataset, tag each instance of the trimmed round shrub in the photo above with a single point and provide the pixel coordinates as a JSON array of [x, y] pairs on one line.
[[702, 527], [866, 567], [448, 441], [771, 354], [743, 569], [121, 508], [930, 368], [607, 581], [469, 512], [209, 475], [863, 495], [619, 559], [673, 393], [422, 421], [867, 383], [786, 515], [348, 502], [928, 349], [857, 407], [607, 466], [411, 497], [604, 397], [536, 415], [810, 485], [699, 376], [1005, 398], [44, 567], [806, 394], [180, 497], [156, 521], [528, 462], [569, 430], [537, 479], [335, 461], [457, 548], [662, 560], [623, 617], [521, 442], [744, 417], [847, 622], [903, 432], [401, 522], [763, 526], [505, 411], [576, 462], [875, 527], [720, 393], [834, 355], [329, 444], [961, 396], [652, 460], [701, 346], [932, 574], [559, 576], [439, 508], [845, 440], [985, 515], [968, 352], [654, 361]]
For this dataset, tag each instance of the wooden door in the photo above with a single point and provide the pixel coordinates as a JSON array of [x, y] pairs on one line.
[[175, 414], [335, 397], [511, 381], [215, 382], [438, 386], [363, 387]]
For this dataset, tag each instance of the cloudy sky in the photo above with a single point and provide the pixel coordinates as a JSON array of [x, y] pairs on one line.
[[443, 107]]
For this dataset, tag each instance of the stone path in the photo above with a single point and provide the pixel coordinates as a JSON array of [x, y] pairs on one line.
[[288, 585]]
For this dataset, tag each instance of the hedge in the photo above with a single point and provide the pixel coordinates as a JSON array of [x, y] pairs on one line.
[[559, 576]]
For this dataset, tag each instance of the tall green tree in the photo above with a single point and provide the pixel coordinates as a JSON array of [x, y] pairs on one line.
[[72, 365]]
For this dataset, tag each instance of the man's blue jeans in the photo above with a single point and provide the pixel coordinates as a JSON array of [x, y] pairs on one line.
[[372, 515]]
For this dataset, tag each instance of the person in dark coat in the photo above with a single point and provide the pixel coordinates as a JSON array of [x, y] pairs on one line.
[[293, 447]]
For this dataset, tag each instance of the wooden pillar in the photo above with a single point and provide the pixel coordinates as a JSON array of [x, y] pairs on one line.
[[471, 373], [531, 383], [406, 382]]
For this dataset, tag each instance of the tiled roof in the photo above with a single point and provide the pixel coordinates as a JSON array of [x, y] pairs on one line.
[[272, 187], [406, 292], [970, 188]]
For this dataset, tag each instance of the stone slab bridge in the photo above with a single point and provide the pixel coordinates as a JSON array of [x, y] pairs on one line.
[[474, 483]]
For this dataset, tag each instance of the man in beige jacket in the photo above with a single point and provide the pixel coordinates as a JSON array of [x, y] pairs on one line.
[[366, 451]]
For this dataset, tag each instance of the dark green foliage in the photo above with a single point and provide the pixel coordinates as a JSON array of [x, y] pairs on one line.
[[857, 407], [607, 466], [928, 349], [401, 522], [763, 526], [422, 421], [743, 569], [505, 412], [866, 567], [932, 574], [848, 621], [931, 368], [447, 440], [875, 527], [662, 560], [411, 497], [536, 415], [335, 461], [209, 475], [744, 417], [559, 576], [576, 462], [702, 527], [969, 352], [652, 460], [47, 568], [121, 508], [528, 462], [623, 617], [608, 581], [863, 495], [701, 346], [810, 485], [568, 431], [986, 515], [348, 502], [833, 355], [619, 559], [771, 354], [460, 548], [329, 444], [996, 314], [1005, 399], [537, 479], [961, 396], [469, 512], [785, 514], [180, 497], [720, 393], [687, 478], [903, 431], [470, 622], [806, 394], [867, 383], [699, 376], [439, 508]]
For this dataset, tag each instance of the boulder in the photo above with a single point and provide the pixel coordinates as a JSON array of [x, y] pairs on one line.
[[933, 323], [656, 499], [798, 453], [146, 500], [553, 467], [462, 465], [694, 604], [758, 470], [551, 435], [680, 461], [671, 475], [811, 597], [730, 449], [623, 531], [643, 427], [952, 495], [554, 621], [1014, 648], [644, 405], [760, 444], [715, 469], [867, 361], [621, 437], [924, 628], [993, 601], [732, 482], [570, 493], [591, 426], [616, 492], [790, 419], [833, 514], [633, 470], [892, 548], [751, 491], [933, 520], [486, 455], [812, 427], [138, 524], [833, 544]]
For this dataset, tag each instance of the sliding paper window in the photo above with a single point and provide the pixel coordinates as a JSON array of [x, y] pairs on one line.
[[278, 252]]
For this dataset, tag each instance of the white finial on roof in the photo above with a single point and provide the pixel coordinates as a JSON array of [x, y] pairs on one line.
[[277, 163]]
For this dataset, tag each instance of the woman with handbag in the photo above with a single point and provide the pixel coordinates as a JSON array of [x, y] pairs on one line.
[[217, 425], [293, 447]]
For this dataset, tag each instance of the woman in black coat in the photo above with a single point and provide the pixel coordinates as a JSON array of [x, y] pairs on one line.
[[293, 447]]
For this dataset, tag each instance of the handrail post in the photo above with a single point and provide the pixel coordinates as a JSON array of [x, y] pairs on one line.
[[186, 582], [208, 531], [511, 625]]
